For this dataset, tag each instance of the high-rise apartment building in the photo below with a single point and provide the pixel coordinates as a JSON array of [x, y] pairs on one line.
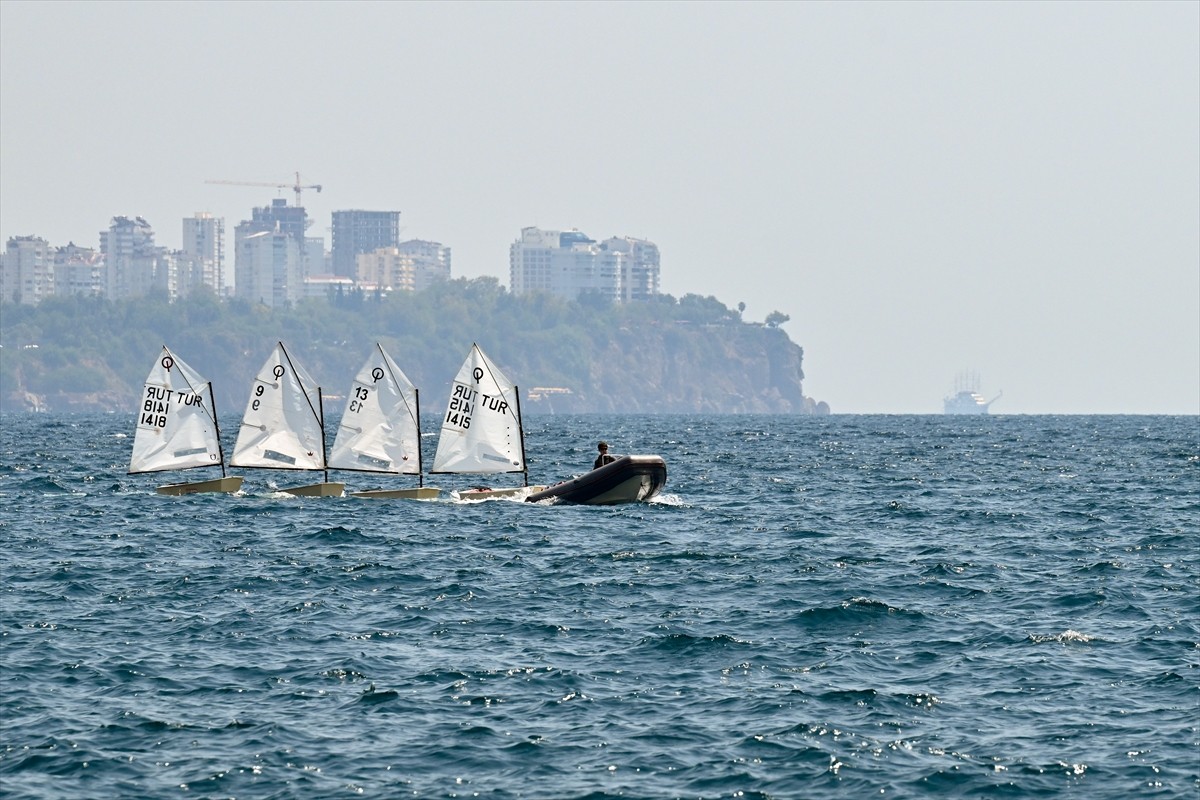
[[639, 267], [570, 263], [356, 232], [431, 259], [316, 260], [269, 267], [273, 270], [26, 270], [203, 253], [77, 270], [133, 265]]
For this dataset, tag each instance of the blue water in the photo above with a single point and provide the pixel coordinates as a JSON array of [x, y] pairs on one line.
[[897, 607]]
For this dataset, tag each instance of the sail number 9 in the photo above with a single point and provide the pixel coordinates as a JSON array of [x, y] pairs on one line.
[[258, 392]]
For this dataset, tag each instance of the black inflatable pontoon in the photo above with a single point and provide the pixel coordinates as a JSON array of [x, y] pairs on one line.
[[628, 479]]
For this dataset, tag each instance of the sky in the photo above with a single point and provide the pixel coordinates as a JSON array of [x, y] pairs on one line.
[[925, 189]]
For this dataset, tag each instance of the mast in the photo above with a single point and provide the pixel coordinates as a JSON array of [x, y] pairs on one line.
[[321, 418], [212, 402], [521, 430], [417, 409]]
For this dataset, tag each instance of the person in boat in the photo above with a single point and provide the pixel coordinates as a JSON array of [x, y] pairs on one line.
[[604, 457]]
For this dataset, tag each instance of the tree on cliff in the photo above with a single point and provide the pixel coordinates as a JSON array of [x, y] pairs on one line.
[[776, 318]]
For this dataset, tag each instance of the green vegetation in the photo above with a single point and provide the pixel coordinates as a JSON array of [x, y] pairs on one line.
[[690, 354]]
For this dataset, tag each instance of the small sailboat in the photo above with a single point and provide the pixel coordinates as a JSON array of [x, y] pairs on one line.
[[482, 431], [177, 427], [284, 424], [381, 428]]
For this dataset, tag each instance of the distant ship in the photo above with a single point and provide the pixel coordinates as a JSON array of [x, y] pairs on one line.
[[966, 398]]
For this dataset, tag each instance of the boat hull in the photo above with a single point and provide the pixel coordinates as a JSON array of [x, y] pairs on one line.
[[492, 494], [318, 490], [415, 493], [965, 403], [629, 479], [226, 485]]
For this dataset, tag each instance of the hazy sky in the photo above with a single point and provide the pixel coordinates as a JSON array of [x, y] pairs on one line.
[[1007, 188]]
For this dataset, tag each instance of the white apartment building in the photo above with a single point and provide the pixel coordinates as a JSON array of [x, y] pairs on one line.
[[191, 273], [388, 269], [77, 270], [269, 268], [202, 261], [411, 266], [432, 260], [316, 260], [277, 219], [133, 265], [639, 267], [570, 263], [26, 270]]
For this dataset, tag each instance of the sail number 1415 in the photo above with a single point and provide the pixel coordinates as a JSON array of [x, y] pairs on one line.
[[461, 404]]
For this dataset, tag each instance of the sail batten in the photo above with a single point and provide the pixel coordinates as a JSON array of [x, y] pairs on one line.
[[481, 430], [176, 427]]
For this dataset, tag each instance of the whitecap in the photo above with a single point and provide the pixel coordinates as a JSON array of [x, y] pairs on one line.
[[1063, 638]]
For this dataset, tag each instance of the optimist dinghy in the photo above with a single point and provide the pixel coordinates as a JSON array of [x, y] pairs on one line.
[[177, 428], [284, 425], [482, 431], [380, 430]]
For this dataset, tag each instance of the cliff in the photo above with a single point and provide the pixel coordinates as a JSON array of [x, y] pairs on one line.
[[688, 356], [732, 369]]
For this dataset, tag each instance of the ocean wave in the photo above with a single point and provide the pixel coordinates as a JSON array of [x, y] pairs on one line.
[[1066, 637], [854, 611], [826, 620], [48, 486], [337, 534], [681, 643]]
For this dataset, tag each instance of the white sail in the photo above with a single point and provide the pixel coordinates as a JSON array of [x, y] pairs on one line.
[[176, 426], [481, 431], [282, 426], [380, 430]]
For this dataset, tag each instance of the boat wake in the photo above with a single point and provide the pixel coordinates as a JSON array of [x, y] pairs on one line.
[[515, 495]]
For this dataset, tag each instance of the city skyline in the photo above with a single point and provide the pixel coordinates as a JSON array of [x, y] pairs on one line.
[[1011, 189], [274, 261]]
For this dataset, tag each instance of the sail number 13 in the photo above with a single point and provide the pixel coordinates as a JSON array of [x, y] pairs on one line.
[[361, 393]]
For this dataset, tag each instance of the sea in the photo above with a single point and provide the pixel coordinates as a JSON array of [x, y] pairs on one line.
[[815, 607]]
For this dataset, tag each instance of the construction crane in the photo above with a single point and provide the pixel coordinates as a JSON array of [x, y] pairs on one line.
[[295, 187]]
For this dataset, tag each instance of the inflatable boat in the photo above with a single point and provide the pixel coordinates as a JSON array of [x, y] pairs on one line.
[[628, 479]]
